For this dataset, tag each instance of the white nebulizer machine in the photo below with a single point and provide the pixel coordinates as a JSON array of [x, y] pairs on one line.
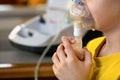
[[37, 33], [82, 18]]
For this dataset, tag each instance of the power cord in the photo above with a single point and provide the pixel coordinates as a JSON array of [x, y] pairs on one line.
[[46, 50]]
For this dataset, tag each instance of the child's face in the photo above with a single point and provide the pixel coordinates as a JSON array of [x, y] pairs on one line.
[[105, 12]]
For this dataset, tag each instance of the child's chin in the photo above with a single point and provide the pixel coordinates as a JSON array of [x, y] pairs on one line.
[[89, 23]]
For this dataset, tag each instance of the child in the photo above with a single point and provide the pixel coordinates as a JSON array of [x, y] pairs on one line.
[[101, 55]]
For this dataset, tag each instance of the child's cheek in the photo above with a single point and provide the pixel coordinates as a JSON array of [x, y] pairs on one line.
[[97, 10]]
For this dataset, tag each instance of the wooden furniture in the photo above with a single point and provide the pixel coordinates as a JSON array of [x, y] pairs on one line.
[[36, 2], [24, 2], [26, 72], [7, 1]]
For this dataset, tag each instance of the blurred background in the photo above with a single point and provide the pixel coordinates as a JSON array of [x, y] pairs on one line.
[[23, 2], [13, 13], [17, 63]]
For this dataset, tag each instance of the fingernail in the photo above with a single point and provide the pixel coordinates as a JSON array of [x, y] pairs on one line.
[[73, 41]]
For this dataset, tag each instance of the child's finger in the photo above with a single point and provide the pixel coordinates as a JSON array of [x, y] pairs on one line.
[[55, 59], [68, 47], [60, 52], [70, 39]]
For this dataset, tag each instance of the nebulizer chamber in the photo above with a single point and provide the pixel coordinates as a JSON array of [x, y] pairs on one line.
[[82, 18]]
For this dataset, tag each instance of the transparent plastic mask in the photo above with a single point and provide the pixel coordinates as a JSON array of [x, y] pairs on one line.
[[79, 12]]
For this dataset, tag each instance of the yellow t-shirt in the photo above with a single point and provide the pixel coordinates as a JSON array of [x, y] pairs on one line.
[[106, 67]]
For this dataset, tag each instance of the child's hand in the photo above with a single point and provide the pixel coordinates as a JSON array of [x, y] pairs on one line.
[[67, 66], [76, 47]]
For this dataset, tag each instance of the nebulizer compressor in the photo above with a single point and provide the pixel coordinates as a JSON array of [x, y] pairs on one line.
[[81, 18]]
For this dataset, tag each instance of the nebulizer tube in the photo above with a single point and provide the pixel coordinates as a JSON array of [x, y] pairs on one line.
[[76, 13], [78, 35], [81, 17]]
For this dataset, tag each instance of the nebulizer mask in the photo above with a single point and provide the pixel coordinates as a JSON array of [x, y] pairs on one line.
[[82, 18]]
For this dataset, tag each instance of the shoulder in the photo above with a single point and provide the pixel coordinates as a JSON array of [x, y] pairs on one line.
[[95, 41], [94, 44]]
